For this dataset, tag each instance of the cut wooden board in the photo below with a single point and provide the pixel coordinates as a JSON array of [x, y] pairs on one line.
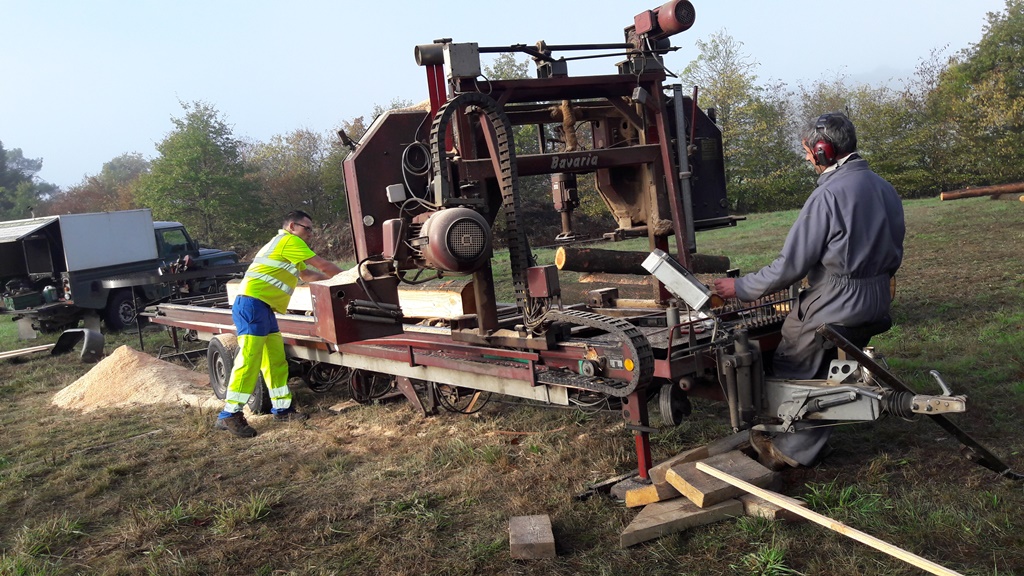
[[705, 490], [761, 508], [531, 537], [623, 487], [649, 494], [720, 446], [672, 516], [26, 351], [437, 300]]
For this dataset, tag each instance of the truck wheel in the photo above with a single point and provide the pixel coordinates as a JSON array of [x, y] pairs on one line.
[[120, 311], [220, 359]]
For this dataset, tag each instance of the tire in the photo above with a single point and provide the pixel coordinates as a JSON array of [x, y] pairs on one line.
[[120, 311], [220, 360], [259, 400], [673, 404]]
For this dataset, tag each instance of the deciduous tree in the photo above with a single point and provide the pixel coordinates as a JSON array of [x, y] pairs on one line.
[[200, 179], [762, 166], [111, 189], [21, 192]]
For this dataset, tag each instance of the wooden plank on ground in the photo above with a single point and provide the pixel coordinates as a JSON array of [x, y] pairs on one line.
[[671, 516], [531, 537], [649, 494], [705, 490], [720, 446], [25, 351], [827, 522], [761, 508], [621, 488]]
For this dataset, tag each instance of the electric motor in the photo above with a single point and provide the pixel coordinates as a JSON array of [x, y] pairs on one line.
[[455, 239]]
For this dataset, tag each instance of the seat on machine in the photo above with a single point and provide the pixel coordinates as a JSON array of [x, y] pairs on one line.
[[861, 335]]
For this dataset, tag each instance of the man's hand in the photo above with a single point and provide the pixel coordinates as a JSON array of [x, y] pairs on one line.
[[725, 287]]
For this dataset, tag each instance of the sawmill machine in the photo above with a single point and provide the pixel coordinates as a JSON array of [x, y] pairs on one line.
[[427, 186], [434, 188]]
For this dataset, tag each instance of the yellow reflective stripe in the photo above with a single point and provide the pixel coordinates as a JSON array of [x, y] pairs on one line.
[[237, 397], [271, 277], [270, 246], [278, 392], [283, 265], [270, 280]]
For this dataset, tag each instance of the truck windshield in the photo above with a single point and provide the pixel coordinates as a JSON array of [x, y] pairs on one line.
[[172, 242]]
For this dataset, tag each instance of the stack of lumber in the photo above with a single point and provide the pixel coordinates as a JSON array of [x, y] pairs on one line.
[[720, 481], [679, 496]]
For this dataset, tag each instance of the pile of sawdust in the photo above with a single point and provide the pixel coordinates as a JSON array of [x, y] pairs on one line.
[[129, 377]]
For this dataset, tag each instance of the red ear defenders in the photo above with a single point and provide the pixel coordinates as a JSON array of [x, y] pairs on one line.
[[824, 153]]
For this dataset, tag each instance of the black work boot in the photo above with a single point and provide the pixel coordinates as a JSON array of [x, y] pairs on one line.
[[291, 415], [237, 425]]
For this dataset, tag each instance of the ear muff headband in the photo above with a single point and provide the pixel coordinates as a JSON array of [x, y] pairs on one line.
[[824, 152]]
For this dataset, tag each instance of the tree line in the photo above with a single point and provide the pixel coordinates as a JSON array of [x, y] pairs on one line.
[[956, 122]]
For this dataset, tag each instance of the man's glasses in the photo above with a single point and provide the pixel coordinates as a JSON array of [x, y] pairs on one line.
[[310, 228]]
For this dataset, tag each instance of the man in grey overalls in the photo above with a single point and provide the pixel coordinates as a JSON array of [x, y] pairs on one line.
[[848, 242]]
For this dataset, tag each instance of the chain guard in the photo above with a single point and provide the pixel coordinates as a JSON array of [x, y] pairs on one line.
[[638, 345]]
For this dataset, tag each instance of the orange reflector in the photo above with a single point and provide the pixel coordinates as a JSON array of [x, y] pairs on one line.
[[628, 364]]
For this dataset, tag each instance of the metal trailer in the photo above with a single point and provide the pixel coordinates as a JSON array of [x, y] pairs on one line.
[[425, 187]]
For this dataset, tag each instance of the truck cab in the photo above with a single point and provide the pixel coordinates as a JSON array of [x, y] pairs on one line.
[[173, 243]]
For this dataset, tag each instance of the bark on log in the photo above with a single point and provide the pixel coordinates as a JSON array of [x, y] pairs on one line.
[[997, 190], [619, 262]]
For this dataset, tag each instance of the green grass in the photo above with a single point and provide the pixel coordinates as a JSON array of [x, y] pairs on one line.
[[379, 489]]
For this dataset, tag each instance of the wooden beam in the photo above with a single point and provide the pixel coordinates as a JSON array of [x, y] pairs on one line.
[[649, 494], [663, 518], [704, 490], [1015, 188], [530, 537], [719, 446], [622, 262], [829, 523]]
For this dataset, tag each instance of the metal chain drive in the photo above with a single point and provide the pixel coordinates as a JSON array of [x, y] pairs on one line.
[[635, 340], [518, 246]]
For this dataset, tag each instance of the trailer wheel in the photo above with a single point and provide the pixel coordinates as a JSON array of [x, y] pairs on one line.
[[367, 386], [220, 359], [674, 404], [120, 311], [461, 400], [259, 401]]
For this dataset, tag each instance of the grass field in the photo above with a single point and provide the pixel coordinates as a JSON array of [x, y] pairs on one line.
[[378, 489]]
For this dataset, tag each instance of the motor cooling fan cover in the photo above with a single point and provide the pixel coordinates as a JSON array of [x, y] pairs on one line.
[[458, 240]]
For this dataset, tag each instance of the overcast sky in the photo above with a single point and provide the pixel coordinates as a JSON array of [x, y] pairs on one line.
[[84, 81]]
